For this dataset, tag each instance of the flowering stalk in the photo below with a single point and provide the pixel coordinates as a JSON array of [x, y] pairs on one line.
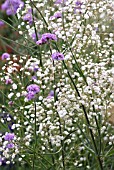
[[81, 74], [36, 33], [55, 99], [87, 119]]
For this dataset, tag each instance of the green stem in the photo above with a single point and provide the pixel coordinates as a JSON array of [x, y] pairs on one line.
[[35, 136]]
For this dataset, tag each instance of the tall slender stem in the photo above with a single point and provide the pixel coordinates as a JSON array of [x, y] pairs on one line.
[[35, 136]]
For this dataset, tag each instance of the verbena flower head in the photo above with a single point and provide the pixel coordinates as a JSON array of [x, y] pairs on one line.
[[46, 37], [9, 136], [11, 6], [56, 15], [5, 56], [57, 56], [78, 6], [32, 90], [28, 16]]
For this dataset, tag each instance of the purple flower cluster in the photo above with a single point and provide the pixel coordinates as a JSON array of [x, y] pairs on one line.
[[33, 78], [34, 67], [56, 15], [57, 56], [9, 136], [60, 1], [33, 36], [28, 16], [10, 145], [11, 6], [78, 6], [2, 161], [32, 90], [5, 56], [1, 23], [51, 94], [46, 37]]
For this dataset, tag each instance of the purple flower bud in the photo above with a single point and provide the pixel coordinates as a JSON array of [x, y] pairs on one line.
[[1, 23], [28, 16], [57, 56], [9, 81], [10, 103], [9, 136], [33, 78], [51, 94], [5, 56]]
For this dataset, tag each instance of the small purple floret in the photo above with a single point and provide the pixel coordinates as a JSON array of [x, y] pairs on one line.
[[10, 145], [30, 95], [10, 103], [78, 6], [9, 81], [9, 136], [28, 16], [51, 94], [1, 23], [56, 15], [5, 56], [33, 36], [60, 1], [33, 78], [57, 56]]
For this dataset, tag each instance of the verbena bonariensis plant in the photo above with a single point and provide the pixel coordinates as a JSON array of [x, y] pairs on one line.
[[58, 86]]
